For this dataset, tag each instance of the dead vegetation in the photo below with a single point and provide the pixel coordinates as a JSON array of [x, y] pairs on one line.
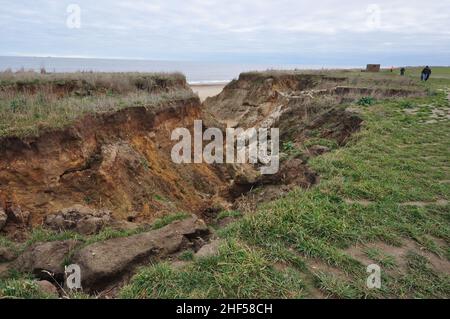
[[32, 102]]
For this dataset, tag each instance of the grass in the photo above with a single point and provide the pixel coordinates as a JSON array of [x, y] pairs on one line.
[[60, 99], [168, 219], [366, 101], [382, 259], [238, 272], [395, 159], [228, 213], [115, 82], [22, 288]]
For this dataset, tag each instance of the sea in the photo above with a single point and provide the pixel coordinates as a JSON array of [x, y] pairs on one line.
[[195, 72]]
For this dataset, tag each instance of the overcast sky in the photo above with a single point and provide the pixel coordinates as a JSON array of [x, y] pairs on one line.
[[287, 31]]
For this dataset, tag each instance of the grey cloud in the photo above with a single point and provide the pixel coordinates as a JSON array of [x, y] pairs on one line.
[[181, 29]]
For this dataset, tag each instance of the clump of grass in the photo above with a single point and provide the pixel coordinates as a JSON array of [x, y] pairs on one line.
[[337, 287], [168, 219], [40, 234], [22, 288], [407, 104], [5, 242], [366, 101], [288, 147], [110, 233], [421, 281], [159, 198], [332, 144], [228, 213], [187, 255], [384, 260]]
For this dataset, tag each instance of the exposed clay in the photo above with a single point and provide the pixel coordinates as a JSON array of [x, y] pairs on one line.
[[119, 161]]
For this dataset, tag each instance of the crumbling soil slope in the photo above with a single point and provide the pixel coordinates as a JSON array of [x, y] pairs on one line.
[[260, 99], [119, 160], [305, 107]]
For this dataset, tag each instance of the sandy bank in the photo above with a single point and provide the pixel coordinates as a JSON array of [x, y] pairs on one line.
[[207, 90]]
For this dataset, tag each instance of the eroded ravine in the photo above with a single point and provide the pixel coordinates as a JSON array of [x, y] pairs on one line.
[[120, 162]]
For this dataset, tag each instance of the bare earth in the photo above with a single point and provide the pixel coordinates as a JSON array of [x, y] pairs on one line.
[[207, 90]]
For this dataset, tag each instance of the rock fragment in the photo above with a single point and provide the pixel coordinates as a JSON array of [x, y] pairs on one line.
[[105, 263], [81, 219], [45, 260]]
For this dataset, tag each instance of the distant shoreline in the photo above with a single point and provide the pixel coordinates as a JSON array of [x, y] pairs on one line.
[[196, 72], [209, 83], [206, 90]]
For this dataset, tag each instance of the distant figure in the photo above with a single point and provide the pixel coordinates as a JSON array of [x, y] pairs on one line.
[[392, 69], [426, 73], [402, 71]]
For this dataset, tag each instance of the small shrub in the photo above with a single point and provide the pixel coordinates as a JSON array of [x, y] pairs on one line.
[[407, 105], [187, 255], [366, 101], [229, 213], [288, 146], [16, 104]]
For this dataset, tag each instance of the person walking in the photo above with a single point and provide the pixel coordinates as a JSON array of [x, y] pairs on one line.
[[402, 71], [426, 72]]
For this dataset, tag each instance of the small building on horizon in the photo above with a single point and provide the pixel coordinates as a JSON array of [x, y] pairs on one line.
[[373, 68]]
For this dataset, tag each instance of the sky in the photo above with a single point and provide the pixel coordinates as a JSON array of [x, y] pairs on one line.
[[328, 32]]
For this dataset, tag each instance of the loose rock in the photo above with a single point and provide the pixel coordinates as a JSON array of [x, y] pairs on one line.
[[3, 218], [17, 215], [318, 150], [6, 254], [81, 219], [47, 287], [105, 263], [45, 260], [209, 250]]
